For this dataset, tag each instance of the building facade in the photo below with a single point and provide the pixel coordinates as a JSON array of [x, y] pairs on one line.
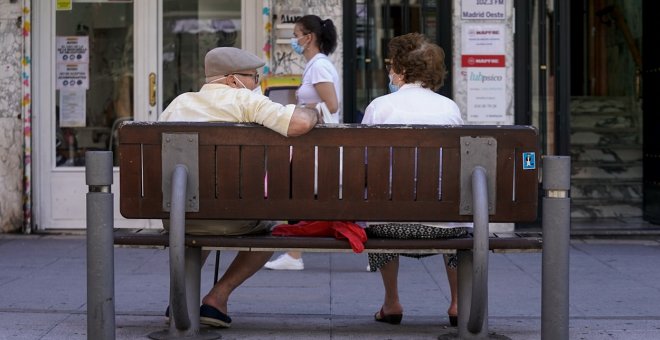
[[72, 71]]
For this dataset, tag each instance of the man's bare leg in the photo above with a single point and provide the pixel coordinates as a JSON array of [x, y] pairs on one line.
[[244, 266]]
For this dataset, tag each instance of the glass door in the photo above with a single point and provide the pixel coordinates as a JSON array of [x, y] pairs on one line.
[[94, 72], [191, 28], [376, 23], [92, 66], [104, 62]]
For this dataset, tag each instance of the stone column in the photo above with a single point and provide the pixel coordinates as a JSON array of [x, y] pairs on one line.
[[11, 125]]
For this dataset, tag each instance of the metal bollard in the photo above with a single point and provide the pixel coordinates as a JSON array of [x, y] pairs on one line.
[[556, 241], [100, 253]]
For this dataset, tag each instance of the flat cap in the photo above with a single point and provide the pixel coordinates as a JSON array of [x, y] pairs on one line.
[[221, 61]]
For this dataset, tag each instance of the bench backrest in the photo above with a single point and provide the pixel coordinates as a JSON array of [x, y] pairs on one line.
[[380, 173]]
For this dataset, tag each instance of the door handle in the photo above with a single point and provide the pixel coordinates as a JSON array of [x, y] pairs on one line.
[[152, 89]]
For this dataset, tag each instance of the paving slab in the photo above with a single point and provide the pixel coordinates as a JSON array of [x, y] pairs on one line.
[[614, 293]]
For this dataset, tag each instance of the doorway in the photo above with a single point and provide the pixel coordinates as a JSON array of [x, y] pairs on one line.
[[104, 62], [375, 23], [606, 118]]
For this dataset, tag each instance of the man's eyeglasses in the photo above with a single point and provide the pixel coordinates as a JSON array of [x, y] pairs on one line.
[[255, 76]]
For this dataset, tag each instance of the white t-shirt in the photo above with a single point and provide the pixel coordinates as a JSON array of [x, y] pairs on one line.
[[319, 69], [413, 104]]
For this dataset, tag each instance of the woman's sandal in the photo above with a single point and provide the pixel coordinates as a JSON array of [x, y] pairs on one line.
[[453, 320], [393, 319]]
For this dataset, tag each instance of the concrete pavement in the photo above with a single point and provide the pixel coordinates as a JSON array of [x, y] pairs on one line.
[[614, 284]]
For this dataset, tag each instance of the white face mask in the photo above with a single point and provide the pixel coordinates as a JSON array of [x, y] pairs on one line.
[[216, 80], [240, 82], [256, 90]]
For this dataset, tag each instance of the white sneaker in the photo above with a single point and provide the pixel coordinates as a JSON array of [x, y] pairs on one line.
[[285, 262]]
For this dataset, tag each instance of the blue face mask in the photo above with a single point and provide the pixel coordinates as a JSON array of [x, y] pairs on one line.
[[393, 88], [296, 46]]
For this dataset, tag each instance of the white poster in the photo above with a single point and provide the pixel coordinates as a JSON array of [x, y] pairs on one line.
[[72, 107], [486, 94], [72, 76], [72, 49], [483, 39], [483, 9]]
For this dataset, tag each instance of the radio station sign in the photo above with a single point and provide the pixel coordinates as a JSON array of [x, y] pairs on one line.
[[483, 9]]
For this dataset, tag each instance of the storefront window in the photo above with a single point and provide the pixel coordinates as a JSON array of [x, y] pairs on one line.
[[94, 77], [190, 29], [95, 67]]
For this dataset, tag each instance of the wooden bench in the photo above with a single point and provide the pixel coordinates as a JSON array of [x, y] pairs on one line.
[[182, 171]]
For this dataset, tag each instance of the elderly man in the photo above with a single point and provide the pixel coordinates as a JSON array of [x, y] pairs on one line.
[[229, 96]]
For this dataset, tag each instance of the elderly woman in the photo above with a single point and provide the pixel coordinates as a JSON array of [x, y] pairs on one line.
[[416, 71]]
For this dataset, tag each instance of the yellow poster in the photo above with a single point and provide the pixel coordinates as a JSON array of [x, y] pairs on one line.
[[64, 5]]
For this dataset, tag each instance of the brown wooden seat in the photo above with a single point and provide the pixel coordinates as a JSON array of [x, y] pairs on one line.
[[406, 173]]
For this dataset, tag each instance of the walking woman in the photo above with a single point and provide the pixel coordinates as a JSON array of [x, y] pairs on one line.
[[315, 39]]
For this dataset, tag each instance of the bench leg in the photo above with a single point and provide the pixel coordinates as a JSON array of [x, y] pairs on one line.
[[465, 298], [185, 264], [193, 272]]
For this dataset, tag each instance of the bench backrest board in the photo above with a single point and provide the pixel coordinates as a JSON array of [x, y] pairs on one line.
[[389, 173]]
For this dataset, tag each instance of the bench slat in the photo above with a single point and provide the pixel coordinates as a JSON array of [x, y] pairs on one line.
[[279, 172], [328, 174], [378, 173], [428, 170], [403, 174], [207, 173], [353, 174], [451, 175], [252, 173], [302, 176], [227, 173]]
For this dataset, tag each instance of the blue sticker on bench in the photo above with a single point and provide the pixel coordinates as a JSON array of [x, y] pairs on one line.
[[529, 160]]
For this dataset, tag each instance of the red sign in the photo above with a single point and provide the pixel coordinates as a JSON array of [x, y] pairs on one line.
[[482, 60]]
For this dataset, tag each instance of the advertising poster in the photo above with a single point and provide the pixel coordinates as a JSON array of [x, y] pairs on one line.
[[483, 39], [486, 94], [484, 64]]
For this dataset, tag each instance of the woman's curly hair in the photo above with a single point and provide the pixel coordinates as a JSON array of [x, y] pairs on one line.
[[417, 59]]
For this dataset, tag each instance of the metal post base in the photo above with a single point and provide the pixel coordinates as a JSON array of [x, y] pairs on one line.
[[202, 334]]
